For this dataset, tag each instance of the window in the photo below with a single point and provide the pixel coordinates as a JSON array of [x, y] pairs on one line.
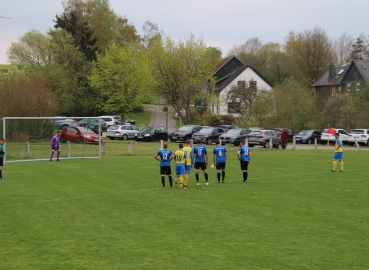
[[241, 84], [252, 84], [357, 86], [348, 86], [234, 107]]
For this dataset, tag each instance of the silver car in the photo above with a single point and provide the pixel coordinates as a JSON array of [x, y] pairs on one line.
[[123, 132], [262, 138]]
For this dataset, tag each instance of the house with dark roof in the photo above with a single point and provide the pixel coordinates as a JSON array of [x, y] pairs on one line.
[[351, 77], [231, 73]]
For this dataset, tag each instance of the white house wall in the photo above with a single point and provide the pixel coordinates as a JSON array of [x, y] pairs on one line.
[[247, 75]]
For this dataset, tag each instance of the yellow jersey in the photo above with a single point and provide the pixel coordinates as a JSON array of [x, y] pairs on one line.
[[188, 150], [180, 156], [338, 145]]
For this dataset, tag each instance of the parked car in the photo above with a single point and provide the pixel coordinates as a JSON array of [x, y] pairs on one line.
[[234, 136], [152, 133], [111, 120], [208, 135], [227, 127], [127, 121], [78, 135], [256, 128], [280, 130], [325, 137], [62, 123], [361, 136], [93, 123], [123, 132], [184, 133], [308, 136], [262, 138]]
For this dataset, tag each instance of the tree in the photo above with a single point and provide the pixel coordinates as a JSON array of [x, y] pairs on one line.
[[311, 53], [183, 72], [33, 48], [122, 78], [78, 27], [360, 49], [342, 47], [23, 95]]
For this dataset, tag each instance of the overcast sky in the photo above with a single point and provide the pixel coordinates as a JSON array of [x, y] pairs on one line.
[[221, 23]]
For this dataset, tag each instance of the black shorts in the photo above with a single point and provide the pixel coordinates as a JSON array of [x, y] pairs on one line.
[[200, 165], [165, 170], [244, 165], [1, 161], [219, 166]]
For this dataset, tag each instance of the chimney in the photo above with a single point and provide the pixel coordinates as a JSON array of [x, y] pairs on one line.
[[332, 73]]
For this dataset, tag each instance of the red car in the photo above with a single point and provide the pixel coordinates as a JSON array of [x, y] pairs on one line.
[[79, 135]]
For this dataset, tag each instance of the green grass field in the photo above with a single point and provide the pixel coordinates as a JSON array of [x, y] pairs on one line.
[[113, 214]]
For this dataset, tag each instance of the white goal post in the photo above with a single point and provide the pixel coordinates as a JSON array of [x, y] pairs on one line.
[[28, 138]]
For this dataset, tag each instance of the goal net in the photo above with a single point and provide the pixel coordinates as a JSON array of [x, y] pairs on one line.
[[28, 138]]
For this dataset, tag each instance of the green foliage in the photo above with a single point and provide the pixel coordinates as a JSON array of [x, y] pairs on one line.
[[228, 119], [122, 78], [183, 71], [211, 119]]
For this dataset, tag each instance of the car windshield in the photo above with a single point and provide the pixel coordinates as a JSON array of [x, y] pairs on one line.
[[234, 131], [147, 129], [305, 132], [357, 131], [86, 130], [255, 133], [185, 128], [206, 130]]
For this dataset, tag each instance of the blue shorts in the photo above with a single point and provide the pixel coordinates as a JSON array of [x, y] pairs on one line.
[[188, 168], [180, 169], [338, 156]]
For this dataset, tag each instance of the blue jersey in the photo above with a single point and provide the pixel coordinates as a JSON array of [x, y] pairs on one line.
[[165, 155], [244, 153], [199, 151], [220, 153]]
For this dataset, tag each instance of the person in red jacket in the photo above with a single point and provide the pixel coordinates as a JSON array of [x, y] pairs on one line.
[[284, 138]]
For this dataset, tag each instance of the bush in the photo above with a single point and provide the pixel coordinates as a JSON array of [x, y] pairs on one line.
[[211, 119], [228, 119]]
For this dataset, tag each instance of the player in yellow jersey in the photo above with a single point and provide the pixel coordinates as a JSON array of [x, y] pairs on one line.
[[181, 158], [338, 153], [188, 166]]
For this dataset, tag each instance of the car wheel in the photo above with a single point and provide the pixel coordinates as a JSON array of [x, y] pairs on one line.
[[125, 137], [266, 144], [111, 138], [166, 138], [64, 126], [351, 144], [310, 141], [236, 143], [62, 139], [210, 141], [81, 140]]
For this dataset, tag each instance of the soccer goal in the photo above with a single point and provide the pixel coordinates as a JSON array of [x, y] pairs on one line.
[[28, 138]]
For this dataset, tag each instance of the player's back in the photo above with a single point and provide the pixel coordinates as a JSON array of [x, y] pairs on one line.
[[199, 152], [180, 156], [188, 150], [165, 155], [220, 152]]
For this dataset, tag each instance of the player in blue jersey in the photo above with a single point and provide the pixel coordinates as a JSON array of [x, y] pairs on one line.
[[164, 156], [54, 144], [219, 159], [2, 153], [200, 157], [244, 156]]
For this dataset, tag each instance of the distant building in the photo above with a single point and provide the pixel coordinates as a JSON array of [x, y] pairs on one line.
[[351, 77], [231, 73]]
